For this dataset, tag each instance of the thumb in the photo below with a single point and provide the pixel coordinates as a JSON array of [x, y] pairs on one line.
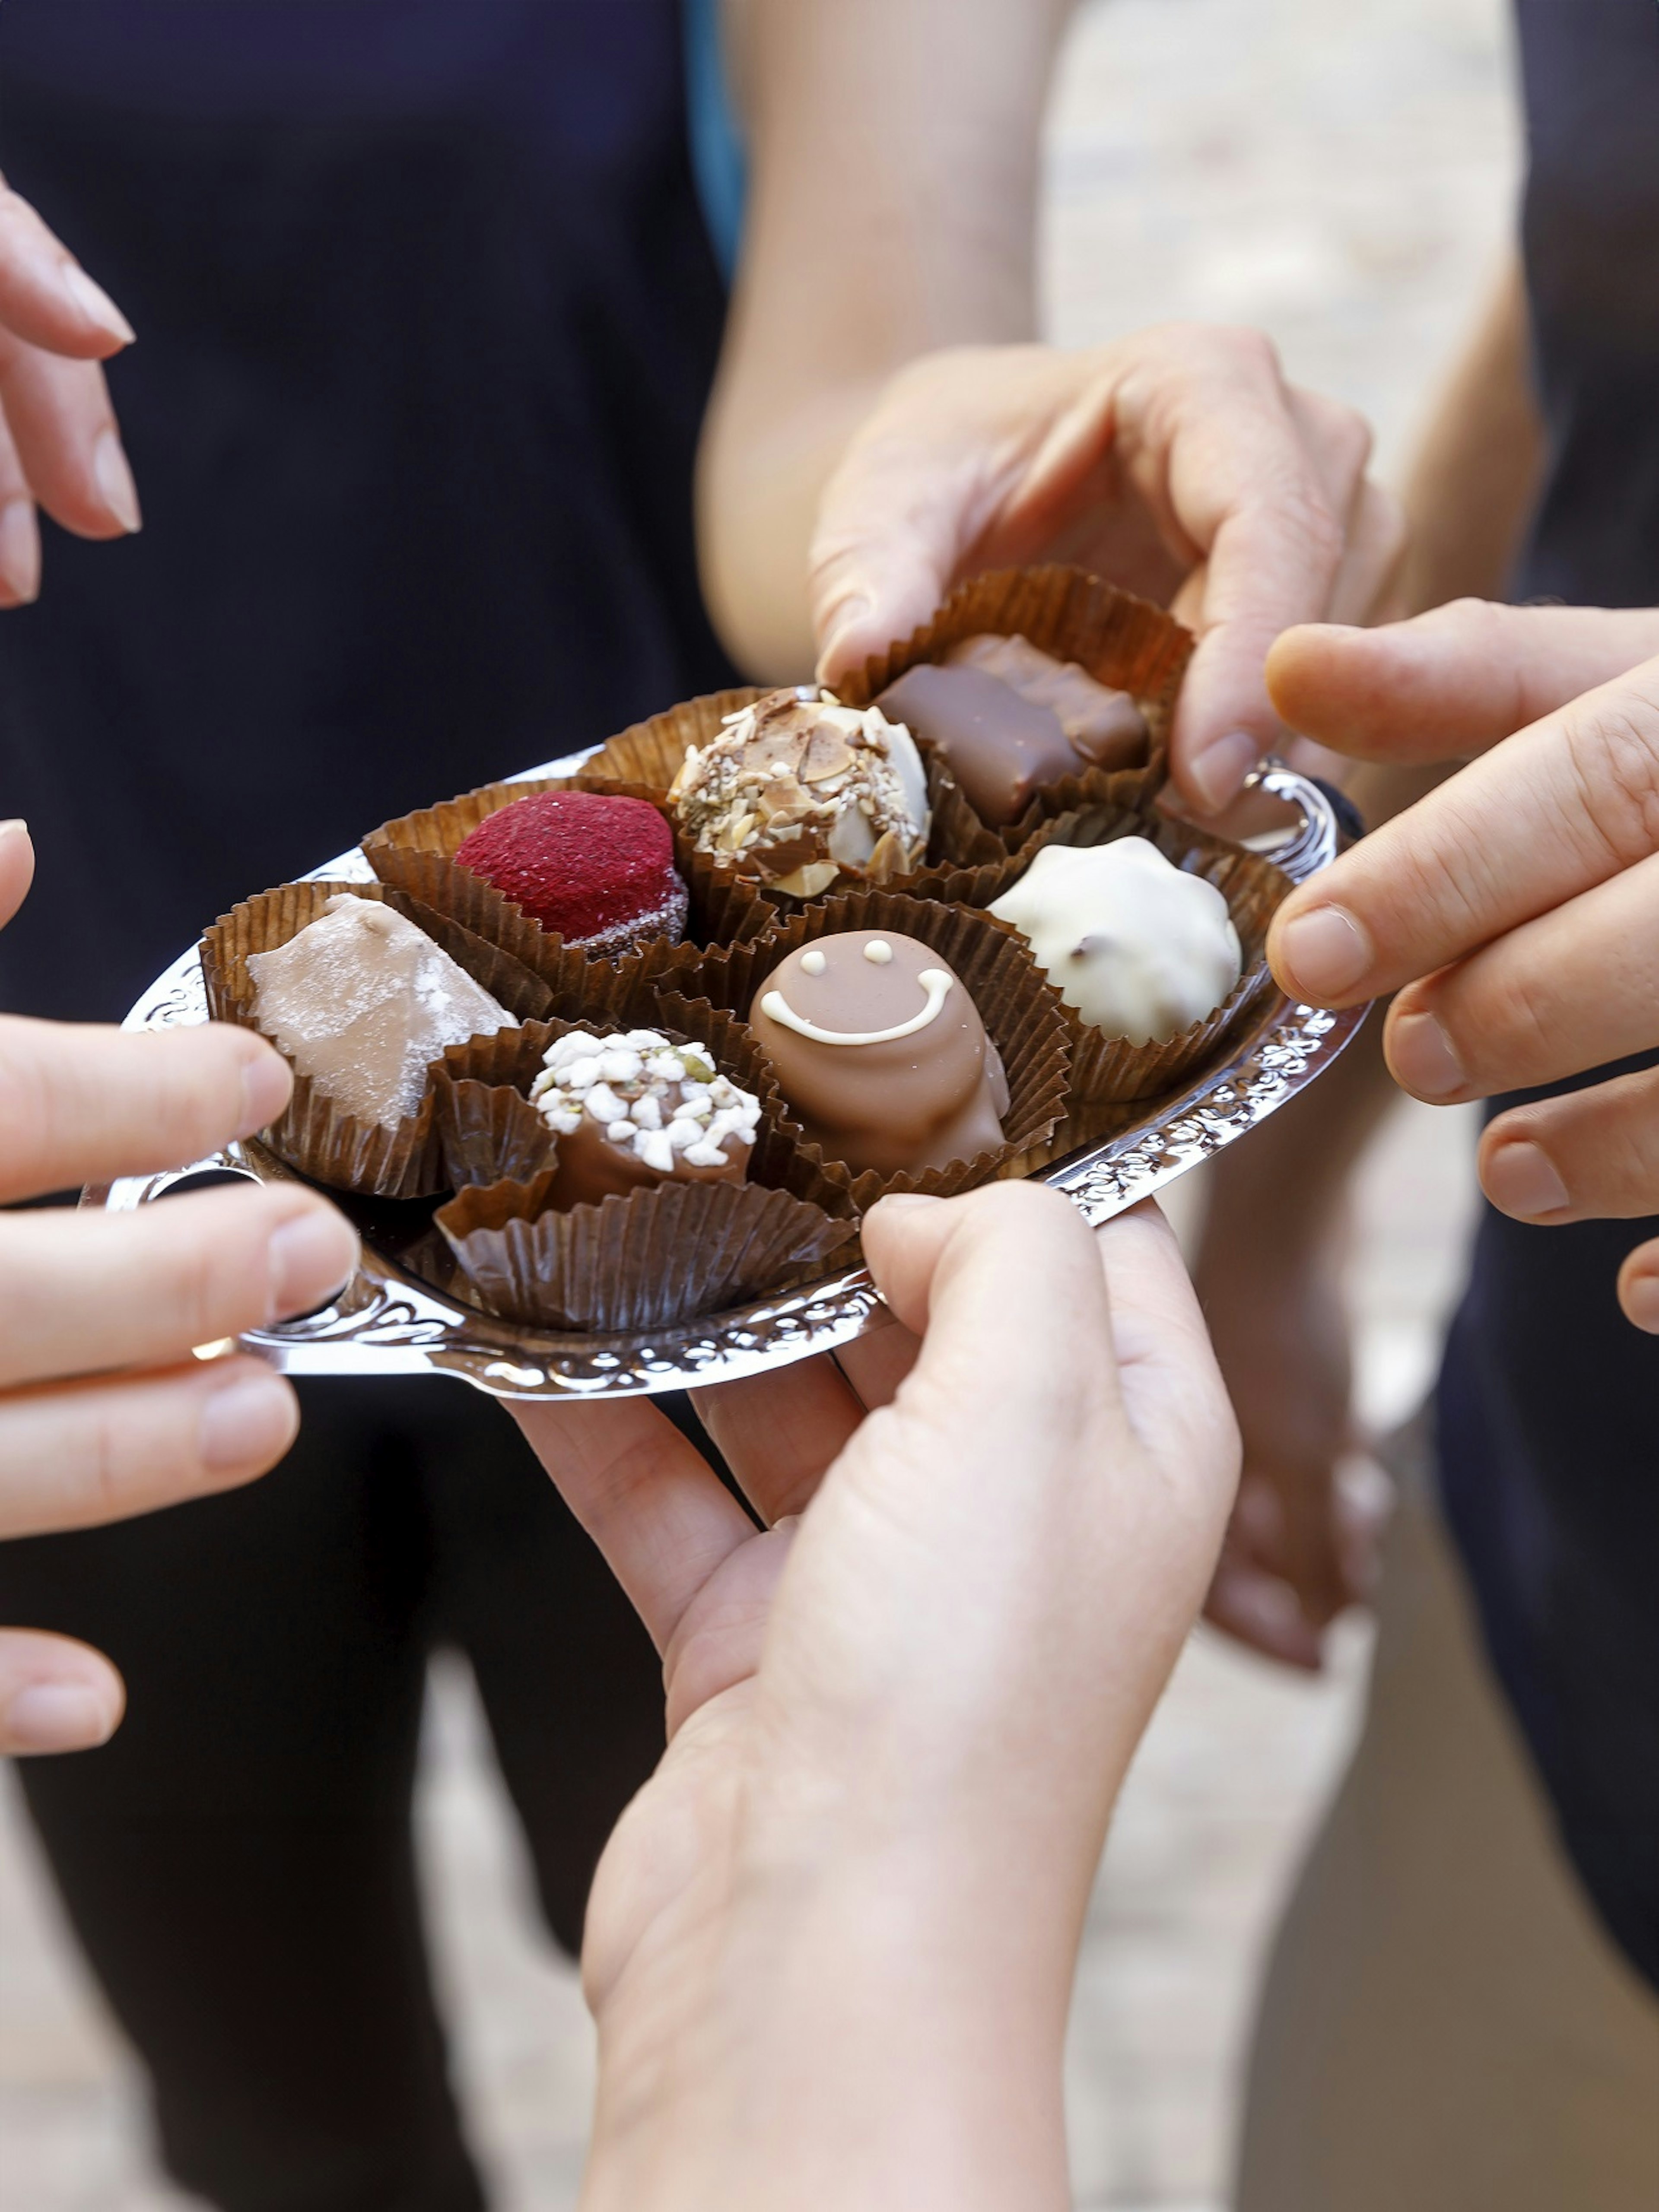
[[1453, 681], [16, 867]]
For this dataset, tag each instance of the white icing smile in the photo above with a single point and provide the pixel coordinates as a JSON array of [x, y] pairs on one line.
[[935, 981]]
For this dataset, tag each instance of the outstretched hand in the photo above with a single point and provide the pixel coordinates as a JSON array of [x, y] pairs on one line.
[[59, 447], [1178, 463], [103, 1411], [1515, 910], [899, 1712]]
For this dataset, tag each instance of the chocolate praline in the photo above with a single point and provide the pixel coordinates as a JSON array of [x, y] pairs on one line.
[[592, 867], [1009, 721], [633, 1110], [880, 1053], [362, 1001], [801, 793]]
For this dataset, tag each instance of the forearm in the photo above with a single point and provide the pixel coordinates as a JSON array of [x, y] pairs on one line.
[[893, 205], [1472, 480], [1468, 495]]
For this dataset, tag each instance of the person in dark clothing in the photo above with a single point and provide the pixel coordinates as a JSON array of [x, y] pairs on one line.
[[429, 318]]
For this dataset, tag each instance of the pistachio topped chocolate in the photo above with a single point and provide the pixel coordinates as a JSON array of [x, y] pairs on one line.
[[634, 1108], [803, 794]]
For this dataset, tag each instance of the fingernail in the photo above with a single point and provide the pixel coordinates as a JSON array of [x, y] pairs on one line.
[[20, 550], [907, 1201], [93, 304], [1421, 1058], [848, 615], [1217, 773], [310, 1260], [267, 1085], [1641, 1302], [14, 826], [114, 480], [1520, 1179], [60, 1717], [1322, 955], [247, 1423]]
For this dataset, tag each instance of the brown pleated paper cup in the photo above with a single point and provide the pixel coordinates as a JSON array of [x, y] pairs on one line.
[[1124, 642], [1022, 1016], [644, 760], [416, 852], [314, 1134], [491, 1132], [646, 1262], [1109, 1071]]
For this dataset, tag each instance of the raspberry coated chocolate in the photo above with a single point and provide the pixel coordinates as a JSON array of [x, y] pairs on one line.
[[591, 868]]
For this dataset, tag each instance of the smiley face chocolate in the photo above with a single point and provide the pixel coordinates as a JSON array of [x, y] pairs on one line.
[[880, 1053]]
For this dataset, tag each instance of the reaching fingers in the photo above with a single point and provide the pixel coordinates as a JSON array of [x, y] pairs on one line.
[[16, 874], [74, 1455], [915, 490], [83, 1105], [658, 1513], [92, 1290], [1591, 1155], [1573, 990], [20, 528], [1559, 808], [55, 1694], [67, 443], [1450, 682], [46, 298], [1638, 1287], [1206, 429]]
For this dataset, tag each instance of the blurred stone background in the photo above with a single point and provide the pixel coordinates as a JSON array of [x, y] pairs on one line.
[[1344, 178]]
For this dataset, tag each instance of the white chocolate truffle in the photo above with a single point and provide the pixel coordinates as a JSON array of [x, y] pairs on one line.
[[1140, 949], [362, 1002], [803, 793]]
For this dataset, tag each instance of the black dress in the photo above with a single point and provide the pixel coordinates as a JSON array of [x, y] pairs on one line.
[[427, 319], [1548, 1403]]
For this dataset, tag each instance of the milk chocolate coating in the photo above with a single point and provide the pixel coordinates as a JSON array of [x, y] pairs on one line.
[[591, 1168], [1107, 729], [922, 1100], [999, 747]]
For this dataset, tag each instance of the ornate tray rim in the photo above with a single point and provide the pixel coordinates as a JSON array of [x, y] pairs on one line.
[[388, 1323]]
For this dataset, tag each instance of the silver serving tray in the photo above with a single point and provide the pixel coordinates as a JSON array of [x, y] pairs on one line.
[[388, 1321]]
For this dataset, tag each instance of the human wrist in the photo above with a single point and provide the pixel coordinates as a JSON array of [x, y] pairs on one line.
[[867, 2030]]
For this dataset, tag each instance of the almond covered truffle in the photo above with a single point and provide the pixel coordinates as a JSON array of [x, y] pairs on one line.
[[634, 1108], [803, 794], [1138, 947], [362, 1002], [881, 1053]]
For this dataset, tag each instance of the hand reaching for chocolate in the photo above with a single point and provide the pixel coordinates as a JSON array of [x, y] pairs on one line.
[[898, 1713], [59, 447], [103, 1411], [1178, 463], [1515, 910]]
